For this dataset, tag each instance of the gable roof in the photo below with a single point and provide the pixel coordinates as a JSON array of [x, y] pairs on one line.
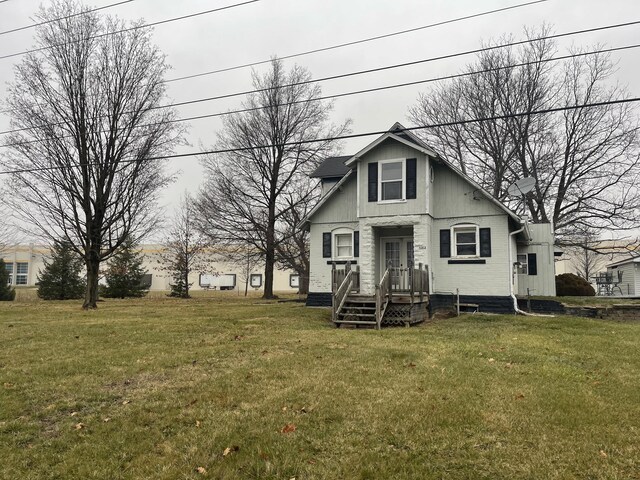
[[324, 198], [399, 133], [624, 262], [331, 167]]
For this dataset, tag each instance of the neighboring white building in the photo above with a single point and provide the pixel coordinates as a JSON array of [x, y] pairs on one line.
[[625, 277], [24, 262]]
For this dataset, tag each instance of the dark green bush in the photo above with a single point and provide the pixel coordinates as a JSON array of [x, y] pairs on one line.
[[125, 273], [60, 279], [570, 285], [6, 292]]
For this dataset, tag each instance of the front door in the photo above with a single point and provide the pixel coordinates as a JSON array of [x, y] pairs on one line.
[[397, 253]]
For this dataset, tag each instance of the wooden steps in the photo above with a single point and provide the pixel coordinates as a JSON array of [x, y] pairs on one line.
[[358, 311]]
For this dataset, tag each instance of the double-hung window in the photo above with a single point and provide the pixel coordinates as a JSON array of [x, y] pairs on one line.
[[465, 241], [343, 245], [392, 180], [523, 264]]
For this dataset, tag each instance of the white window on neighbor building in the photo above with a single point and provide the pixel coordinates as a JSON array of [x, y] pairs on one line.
[[391, 183], [255, 280], [9, 268], [22, 270], [294, 280], [523, 267], [465, 240]]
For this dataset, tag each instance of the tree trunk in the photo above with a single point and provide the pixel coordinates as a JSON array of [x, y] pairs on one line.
[[303, 289], [91, 293], [270, 250], [268, 274]]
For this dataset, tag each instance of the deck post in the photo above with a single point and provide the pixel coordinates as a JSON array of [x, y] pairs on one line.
[[412, 280], [421, 282], [390, 282], [378, 307], [334, 287], [357, 289]]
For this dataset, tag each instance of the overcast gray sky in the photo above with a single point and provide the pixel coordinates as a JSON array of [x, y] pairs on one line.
[[259, 30]]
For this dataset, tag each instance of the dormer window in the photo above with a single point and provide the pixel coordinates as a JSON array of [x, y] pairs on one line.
[[392, 178]]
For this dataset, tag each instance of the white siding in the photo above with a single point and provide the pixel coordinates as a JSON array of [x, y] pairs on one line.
[[391, 149], [320, 280], [630, 278], [490, 278], [543, 283]]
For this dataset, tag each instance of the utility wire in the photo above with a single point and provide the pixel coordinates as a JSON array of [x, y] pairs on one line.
[[343, 45], [356, 42], [394, 66], [26, 27], [137, 27], [387, 87], [344, 137]]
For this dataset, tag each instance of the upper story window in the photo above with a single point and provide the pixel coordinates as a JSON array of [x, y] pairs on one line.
[[465, 241], [392, 180]]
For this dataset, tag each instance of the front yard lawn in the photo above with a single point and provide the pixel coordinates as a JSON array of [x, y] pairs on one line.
[[227, 388]]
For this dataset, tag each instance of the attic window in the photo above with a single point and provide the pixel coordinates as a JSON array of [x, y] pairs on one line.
[[392, 180]]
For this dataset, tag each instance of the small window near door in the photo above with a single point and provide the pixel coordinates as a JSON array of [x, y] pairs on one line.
[[523, 266], [392, 180], [344, 245], [465, 241]]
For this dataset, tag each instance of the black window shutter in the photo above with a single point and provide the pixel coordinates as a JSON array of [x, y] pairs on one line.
[[532, 261], [373, 182], [326, 245], [356, 243], [445, 243], [485, 242], [411, 178]]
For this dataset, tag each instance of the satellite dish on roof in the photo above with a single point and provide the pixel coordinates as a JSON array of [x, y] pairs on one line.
[[521, 186]]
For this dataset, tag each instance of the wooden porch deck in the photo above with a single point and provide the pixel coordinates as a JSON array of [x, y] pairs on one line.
[[394, 304]]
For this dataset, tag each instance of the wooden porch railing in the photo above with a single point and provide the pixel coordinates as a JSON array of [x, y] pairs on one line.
[[343, 282]]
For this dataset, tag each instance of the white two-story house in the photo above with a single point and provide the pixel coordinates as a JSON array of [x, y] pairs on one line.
[[397, 205]]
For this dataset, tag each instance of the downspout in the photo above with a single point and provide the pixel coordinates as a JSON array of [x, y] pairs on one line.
[[511, 292]]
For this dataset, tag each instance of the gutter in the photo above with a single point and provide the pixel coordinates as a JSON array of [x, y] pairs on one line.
[[510, 263]]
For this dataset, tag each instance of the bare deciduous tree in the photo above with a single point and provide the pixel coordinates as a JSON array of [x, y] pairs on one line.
[[85, 104], [292, 253], [585, 161], [185, 249], [247, 195]]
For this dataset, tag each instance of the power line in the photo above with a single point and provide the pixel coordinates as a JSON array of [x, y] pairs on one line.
[[340, 46], [346, 137], [389, 67], [63, 18], [356, 42], [137, 27], [448, 77]]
